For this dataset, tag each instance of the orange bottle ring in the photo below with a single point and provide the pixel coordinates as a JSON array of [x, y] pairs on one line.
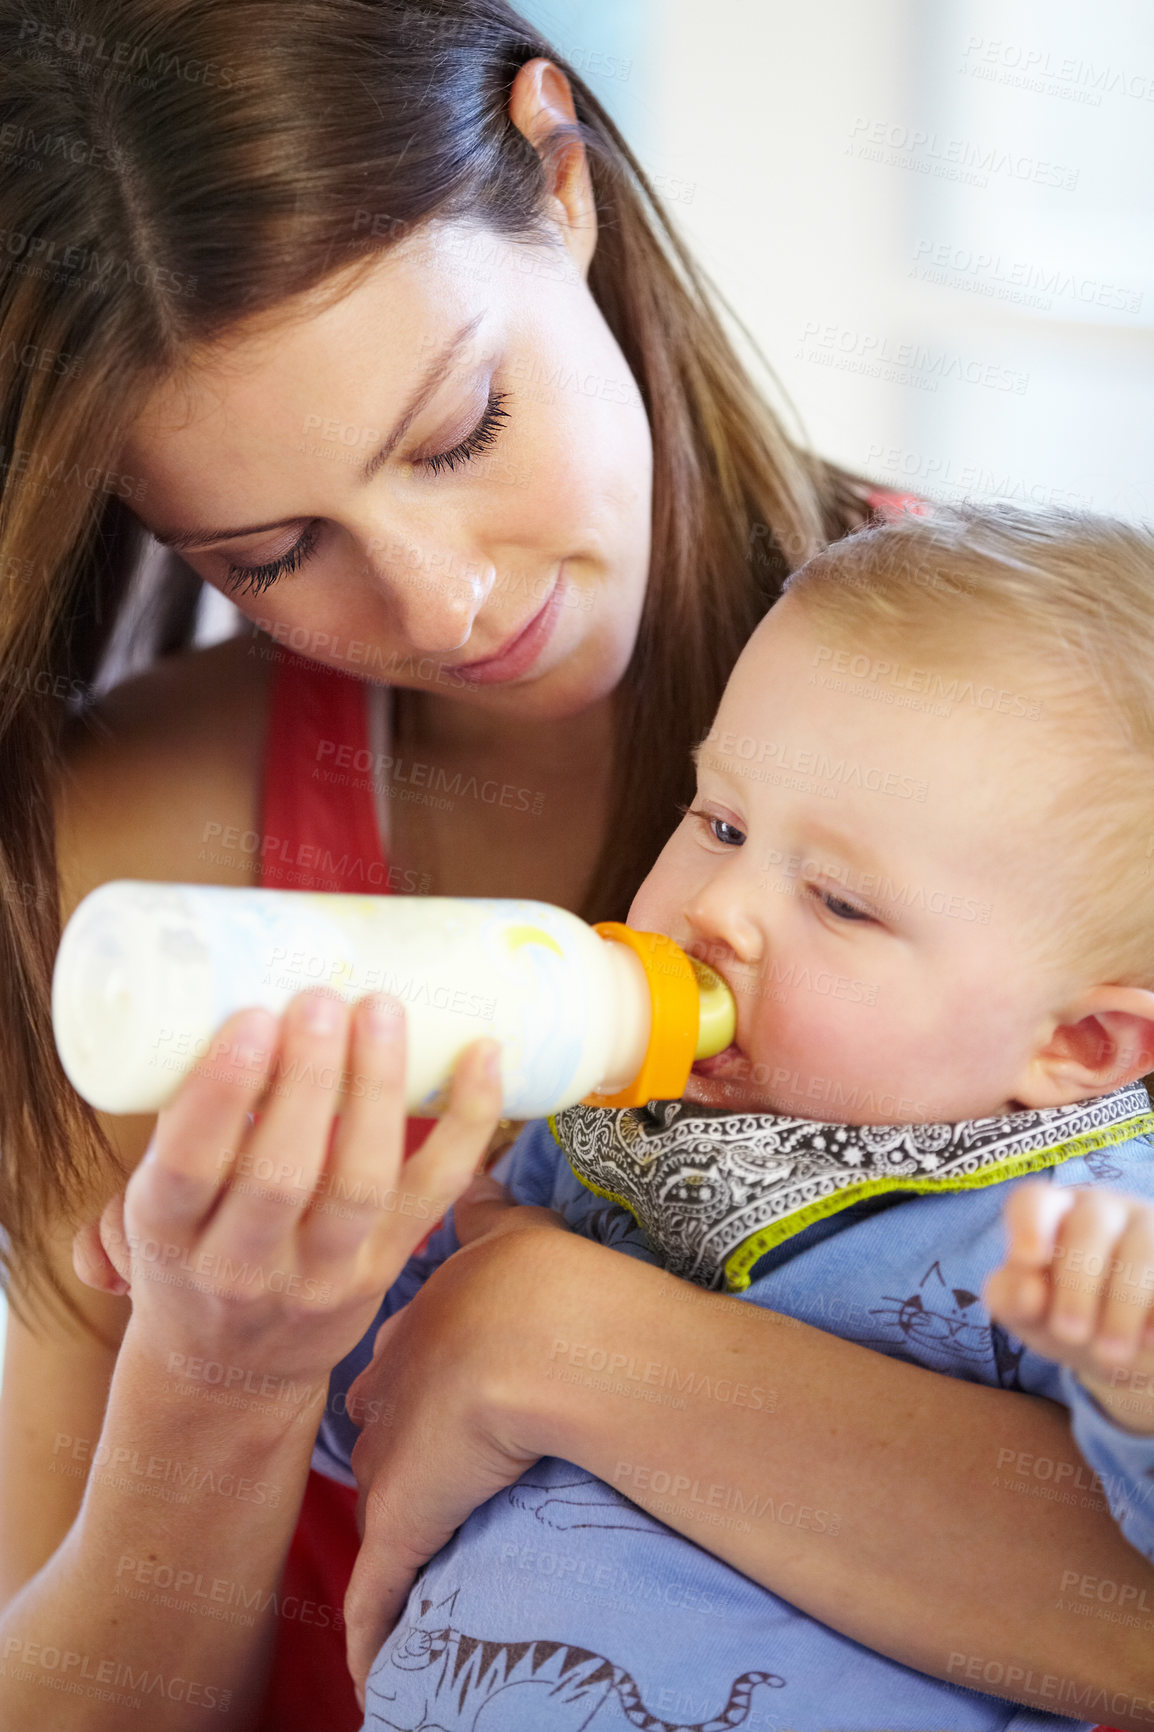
[[675, 1003]]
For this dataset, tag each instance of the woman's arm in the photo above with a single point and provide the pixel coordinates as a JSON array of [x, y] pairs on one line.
[[158, 1606], [244, 1294], [936, 1521], [119, 1575], [128, 1573]]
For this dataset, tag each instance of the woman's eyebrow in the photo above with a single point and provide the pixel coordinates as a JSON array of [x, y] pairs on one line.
[[181, 539], [436, 376]]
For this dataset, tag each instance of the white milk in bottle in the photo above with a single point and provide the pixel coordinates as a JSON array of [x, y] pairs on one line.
[[146, 974]]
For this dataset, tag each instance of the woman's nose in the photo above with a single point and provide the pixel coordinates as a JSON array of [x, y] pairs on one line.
[[433, 594]]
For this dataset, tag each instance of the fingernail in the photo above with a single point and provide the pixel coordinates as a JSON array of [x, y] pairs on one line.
[[322, 1013], [385, 1018], [255, 1036], [491, 1065]]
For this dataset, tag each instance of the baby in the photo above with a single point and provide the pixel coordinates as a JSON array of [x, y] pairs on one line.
[[939, 749], [920, 854]]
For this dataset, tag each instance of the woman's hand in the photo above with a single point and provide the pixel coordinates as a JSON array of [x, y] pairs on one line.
[[267, 1246], [443, 1440]]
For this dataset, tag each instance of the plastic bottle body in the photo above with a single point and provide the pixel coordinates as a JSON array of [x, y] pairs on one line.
[[147, 973]]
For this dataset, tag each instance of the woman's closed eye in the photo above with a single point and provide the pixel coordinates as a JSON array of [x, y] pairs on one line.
[[481, 437], [255, 578], [258, 577]]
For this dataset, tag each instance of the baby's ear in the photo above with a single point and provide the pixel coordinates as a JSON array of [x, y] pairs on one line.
[[1104, 1040]]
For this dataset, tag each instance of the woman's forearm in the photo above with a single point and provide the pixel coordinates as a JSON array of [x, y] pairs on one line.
[[895, 1504], [158, 1609]]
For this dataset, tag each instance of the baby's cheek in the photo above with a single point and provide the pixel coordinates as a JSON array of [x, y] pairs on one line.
[[790, 1028], [660, 902], [807, 1037]]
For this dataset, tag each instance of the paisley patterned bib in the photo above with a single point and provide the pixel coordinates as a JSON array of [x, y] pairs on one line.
[[714, 1190]]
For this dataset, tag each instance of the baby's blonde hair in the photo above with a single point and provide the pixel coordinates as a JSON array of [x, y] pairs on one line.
[[1061, 603]]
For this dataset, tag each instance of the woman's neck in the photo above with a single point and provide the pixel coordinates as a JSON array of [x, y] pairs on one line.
[[541, 837], [458, 731]]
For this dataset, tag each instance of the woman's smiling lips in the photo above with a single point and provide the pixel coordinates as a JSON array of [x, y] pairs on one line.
[[520, 651]]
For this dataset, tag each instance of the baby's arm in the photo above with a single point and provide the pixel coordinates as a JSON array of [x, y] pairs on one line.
[[1077, 1286]]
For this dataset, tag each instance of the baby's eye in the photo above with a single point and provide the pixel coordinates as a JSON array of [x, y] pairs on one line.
[[839, 907], [719, 828]]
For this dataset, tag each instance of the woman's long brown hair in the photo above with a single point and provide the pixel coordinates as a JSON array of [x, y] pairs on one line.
[[181, 165]]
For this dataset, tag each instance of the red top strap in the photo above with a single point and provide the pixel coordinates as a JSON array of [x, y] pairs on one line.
[[319, 820], [886, 504]]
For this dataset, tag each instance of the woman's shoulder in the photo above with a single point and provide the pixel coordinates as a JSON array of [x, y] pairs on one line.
[[162, 777]]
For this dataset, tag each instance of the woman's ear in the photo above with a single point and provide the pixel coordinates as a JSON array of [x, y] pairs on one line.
[[540, 105], [1103, 1040]]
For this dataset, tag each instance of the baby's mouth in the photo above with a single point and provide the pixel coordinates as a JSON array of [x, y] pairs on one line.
[[732, 1061], [729, 1062]]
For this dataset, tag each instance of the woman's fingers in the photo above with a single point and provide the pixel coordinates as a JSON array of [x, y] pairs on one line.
[[114, 1238], [271, 1183], [303, 1191], [439, 1437], [91, 1259], [368, 1194], [360, 1179], [414, 1496], [447, 1160], [392, 1551], [178, 1184], [450, 1155]]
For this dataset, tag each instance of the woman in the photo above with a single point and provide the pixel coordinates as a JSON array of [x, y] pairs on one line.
[[364, 308]]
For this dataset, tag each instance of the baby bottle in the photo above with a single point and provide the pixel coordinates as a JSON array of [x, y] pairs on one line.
[[146, 973]]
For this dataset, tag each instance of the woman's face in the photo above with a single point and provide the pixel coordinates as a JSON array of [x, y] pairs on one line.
[[441, 480]]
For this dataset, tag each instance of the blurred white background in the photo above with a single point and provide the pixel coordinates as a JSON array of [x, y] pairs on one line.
[[936, 221]]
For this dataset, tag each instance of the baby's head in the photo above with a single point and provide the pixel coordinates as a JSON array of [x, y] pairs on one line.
[[922, 846]]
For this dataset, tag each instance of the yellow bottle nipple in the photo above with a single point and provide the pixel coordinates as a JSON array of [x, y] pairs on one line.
[[716, 1012]]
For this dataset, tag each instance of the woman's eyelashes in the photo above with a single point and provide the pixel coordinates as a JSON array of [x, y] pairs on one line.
[[258, 577], [255, 578], [474, 443]]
